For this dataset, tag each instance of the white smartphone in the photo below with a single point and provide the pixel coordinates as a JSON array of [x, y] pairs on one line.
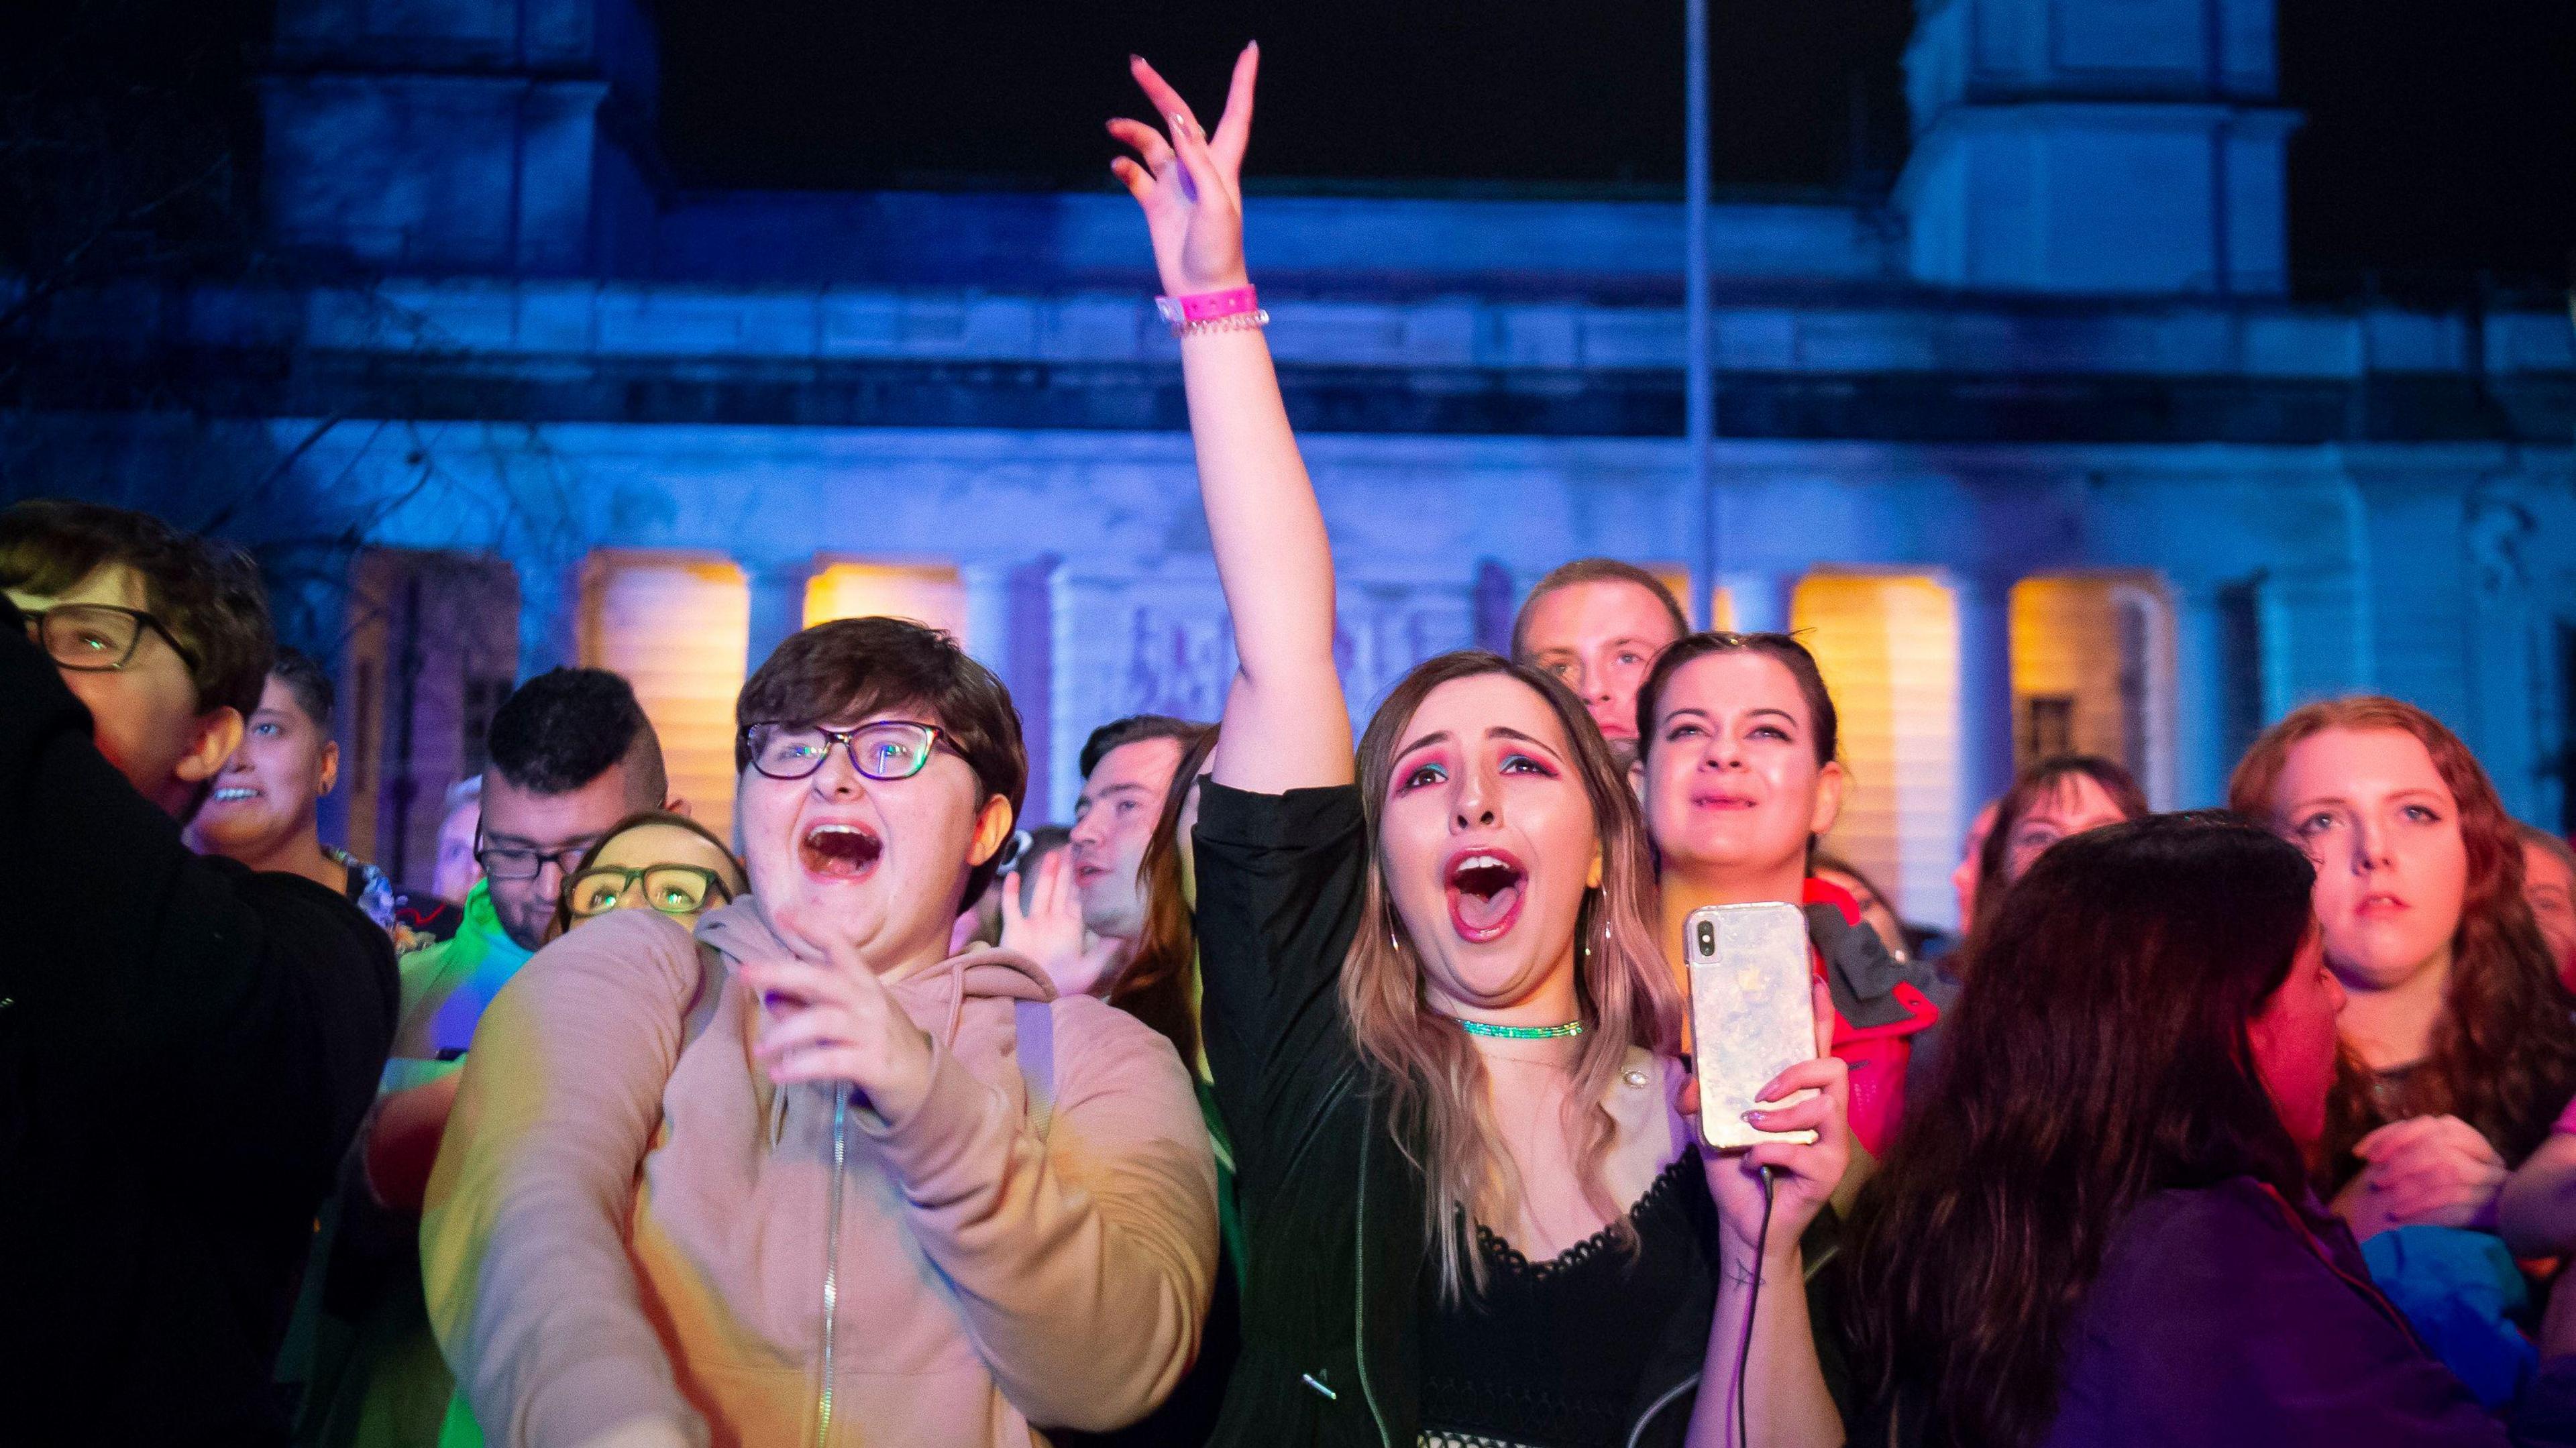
[[1752, 1013]]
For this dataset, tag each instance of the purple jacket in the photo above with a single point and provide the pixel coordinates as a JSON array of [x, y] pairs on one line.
[[2221, 1315]]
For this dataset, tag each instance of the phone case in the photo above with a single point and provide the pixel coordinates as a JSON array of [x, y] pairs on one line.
[[1752, 1014]]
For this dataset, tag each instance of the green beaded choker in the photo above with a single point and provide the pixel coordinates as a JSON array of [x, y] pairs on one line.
[[1518, 1033]]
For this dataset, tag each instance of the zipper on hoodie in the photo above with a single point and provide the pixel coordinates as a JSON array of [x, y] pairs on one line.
[[832, 1260]]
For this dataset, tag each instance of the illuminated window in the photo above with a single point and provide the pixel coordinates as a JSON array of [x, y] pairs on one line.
[[924, 593], [1888, 646], [2092, 671], [678, 626]]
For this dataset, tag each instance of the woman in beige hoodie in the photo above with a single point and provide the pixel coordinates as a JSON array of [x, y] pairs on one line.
[[806, 1178]]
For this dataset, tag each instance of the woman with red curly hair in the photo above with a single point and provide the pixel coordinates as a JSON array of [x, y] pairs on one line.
[[2457, 1044]]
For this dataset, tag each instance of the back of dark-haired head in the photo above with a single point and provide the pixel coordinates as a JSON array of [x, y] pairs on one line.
[[2034, 787], [1786, 651], [207, 594], [1593, 570], [2099, 1053], [850, 668], [1134, 729], [567, 727], [305, 678], [1155, 984]]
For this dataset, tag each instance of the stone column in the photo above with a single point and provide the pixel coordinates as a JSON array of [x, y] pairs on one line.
[[777, 603], [1985, 690], [2201, 761], [1761, 600]]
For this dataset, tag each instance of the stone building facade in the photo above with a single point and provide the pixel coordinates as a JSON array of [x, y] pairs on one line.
[[2040, 449]]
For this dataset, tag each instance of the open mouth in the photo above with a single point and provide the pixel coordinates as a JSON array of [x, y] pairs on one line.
[[1485, 890], [839, 851], [234, 794]]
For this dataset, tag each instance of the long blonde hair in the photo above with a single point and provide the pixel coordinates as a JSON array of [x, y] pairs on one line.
[[1439, 1109]]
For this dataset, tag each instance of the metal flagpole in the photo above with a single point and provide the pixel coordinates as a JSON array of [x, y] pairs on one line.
[[1699, 382]]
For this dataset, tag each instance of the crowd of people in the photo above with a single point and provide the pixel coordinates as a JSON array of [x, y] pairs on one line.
[[1305, 1090]]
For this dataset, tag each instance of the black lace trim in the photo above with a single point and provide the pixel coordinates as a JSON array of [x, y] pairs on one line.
[[1502, 1257]]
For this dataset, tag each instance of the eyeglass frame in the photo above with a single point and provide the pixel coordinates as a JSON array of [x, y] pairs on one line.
[[143, 618], [848, 739], [565, 859], [715, 886]]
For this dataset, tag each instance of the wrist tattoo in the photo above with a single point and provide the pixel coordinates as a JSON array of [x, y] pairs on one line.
[[1741, 1275]]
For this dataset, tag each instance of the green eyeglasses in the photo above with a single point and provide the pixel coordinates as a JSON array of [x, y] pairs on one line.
[[886, 749], [671, 889]]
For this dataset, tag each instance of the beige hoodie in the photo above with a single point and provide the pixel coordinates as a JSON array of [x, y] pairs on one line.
[[625, 1234]]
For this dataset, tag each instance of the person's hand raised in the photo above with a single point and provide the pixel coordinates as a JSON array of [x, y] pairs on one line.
[[1050, 931], [836, 1022], [1190, 184]]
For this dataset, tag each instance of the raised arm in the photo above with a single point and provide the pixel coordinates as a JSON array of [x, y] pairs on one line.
[[1286, 725]]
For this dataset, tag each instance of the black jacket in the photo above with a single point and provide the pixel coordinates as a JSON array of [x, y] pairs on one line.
[[1332, 1210], [186, 1048]]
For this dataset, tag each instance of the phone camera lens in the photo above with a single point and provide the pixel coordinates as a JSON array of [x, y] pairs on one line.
[[1707, 938]]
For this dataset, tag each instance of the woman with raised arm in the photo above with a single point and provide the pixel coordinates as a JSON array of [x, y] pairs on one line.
[[1442, 1037]]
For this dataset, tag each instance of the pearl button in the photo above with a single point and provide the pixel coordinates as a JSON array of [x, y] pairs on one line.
[[1633, 1076]]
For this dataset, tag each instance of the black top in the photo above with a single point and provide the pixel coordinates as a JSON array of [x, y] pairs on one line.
[[1543, 1356], [186, 1048], [1333, 1335]]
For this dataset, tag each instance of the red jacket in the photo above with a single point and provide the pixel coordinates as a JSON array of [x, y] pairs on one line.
[[1879, 1006]]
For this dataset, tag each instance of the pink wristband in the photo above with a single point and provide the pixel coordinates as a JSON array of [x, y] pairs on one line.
[[1207, 306]]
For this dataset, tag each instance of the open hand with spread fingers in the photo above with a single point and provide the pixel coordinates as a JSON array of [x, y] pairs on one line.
[[1050, 931], [1189, 180]]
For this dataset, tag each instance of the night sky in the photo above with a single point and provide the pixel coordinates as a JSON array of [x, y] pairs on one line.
[[2440, 138]]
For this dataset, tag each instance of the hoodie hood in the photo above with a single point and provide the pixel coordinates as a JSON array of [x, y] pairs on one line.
[[741, 933]]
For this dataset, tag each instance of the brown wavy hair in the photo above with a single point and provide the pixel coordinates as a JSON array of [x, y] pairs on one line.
[[1438, 1107], [2504, 1052], [2097, 1055], [1157, 984], [2038, 783]]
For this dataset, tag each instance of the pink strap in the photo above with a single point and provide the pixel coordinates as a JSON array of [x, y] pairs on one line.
[[1208, 306]]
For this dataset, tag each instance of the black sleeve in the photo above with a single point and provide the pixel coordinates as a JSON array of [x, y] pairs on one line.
[[1280, 881], [267, 994]]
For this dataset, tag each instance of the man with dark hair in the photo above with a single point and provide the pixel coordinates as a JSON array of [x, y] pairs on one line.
[[187, 1045], [570, 755], [1597, 624], [1127, 767]]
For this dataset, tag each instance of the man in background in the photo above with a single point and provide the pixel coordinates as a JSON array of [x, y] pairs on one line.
[[188, 1045], [571, 754], [1127, 768], [1597, 624]]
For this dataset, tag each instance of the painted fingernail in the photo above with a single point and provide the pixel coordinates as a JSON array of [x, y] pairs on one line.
[[1180, 123]]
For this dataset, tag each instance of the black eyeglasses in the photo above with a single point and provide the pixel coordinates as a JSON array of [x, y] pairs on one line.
[[522, 862], [671, 889], [887, 749], [98, 638]]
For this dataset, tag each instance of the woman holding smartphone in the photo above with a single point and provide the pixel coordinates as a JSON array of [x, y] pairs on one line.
[[1443, 1040], [1741, 776]]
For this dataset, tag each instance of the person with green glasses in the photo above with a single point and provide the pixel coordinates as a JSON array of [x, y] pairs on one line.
[[656, 860]]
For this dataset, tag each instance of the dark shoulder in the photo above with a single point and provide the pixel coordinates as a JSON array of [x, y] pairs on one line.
[[1240, 820], [317, 929]]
